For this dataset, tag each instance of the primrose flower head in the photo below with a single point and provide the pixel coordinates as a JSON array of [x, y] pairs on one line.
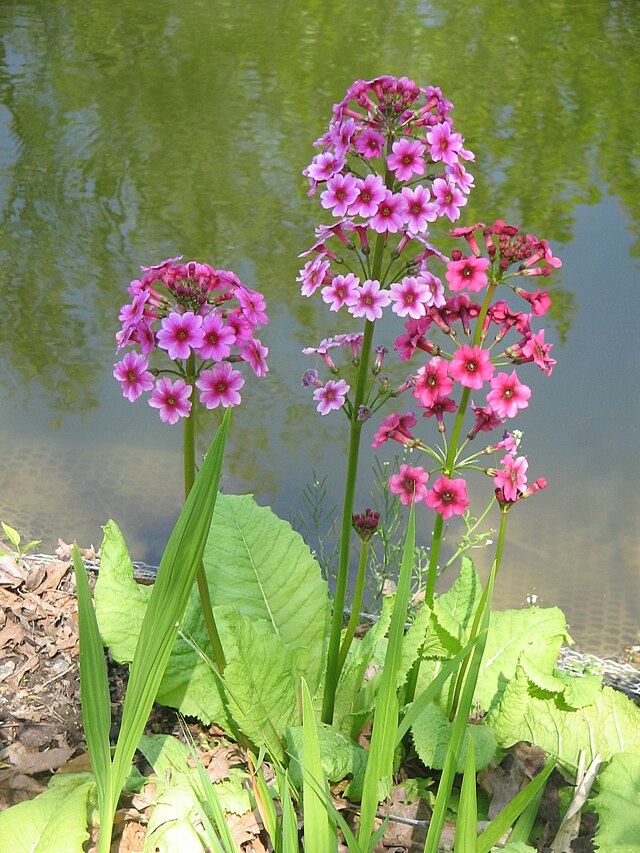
[[202, 319]]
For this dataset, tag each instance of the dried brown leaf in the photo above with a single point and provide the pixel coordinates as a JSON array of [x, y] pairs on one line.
[[30, 761]]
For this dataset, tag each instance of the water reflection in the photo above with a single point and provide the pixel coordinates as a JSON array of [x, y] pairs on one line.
[[138, 131]]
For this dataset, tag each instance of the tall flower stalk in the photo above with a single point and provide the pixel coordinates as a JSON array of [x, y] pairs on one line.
[[390, 165], [205, 321]]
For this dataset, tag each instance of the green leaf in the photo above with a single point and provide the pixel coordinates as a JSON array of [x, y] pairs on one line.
[[53, 821], [431, 734], [579, 690], [94, 693], [609, 725], [617, 805], [320, 834], [535, 633], [467, 822], [455, 609], [260, 677], [12, 535], [258, 564], [340, 756]]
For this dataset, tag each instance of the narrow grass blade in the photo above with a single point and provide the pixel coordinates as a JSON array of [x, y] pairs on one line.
[[523, 826], [467, 823], [176, 574], [289, 830], [385, 720], [507, 817], [265, 805], [427, 696], [95, 699], [320, 835], [460, 724]]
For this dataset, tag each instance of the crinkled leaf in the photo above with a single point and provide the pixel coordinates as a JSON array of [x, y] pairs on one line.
[[260, 677], [540, 676], [535, 633], [455, 609], [53, 821], [431, 734], [340, 756], [579, 690], [258, 564], [617, 805], [610, 725]]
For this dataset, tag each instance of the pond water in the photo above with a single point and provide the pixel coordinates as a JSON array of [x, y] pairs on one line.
[[135, 131]]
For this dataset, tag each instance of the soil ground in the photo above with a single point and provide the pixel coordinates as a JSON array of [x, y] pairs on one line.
[[41, 720]]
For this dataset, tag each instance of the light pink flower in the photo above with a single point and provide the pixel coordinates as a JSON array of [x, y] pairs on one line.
[[172, 399], [468, 272], [180, 333], [448, 199], [459, 175], [342, 288], [471, 366], [371, 192], [419, 210], [444, 145], [436, 287], [331, 396], [410, 483], [218, 338], [406, 159], [133, 375], [324, 166], [255, 354], [410, 297], [220, 386], [312, 275], [448, 497], [513, 477], [253, 305], [432, 382], [508, 395], [368, 300], [390, 214], [341, 192]]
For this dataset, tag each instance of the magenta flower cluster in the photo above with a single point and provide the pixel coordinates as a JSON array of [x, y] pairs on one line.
[[390, 165], [187, 310]]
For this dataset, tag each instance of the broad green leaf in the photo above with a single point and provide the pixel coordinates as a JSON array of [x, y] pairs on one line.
[[579, 690], [12, 534], [259, 565], [609, 725], [120, 602], [617, 805], [340, 756], [455, 609], [517, 847], [535, 632], [431, 734], [260, 678], [53, 821]]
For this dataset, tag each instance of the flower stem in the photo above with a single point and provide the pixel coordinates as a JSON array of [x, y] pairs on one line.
[[333, 663], [354, 618], [189, 479]]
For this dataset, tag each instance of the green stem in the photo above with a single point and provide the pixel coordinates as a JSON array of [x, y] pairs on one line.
[[354, 618], [189, 480], [482, 604], [333, 652]]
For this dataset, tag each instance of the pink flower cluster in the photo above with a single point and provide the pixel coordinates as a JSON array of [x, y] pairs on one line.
[[184, 310]]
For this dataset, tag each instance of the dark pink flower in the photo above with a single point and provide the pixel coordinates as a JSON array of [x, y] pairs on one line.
[[536, 349], [390, 214], [406, 159], [133, 375], [468, 272], [180, 333], [508, 395], [471, 366], [369, 143], [444, 145], [432, 382], [218, 338], [396, 427], [172, 399], [512, 479], [331, 396], [371, 192], [410, 483], [486, 420], [220, 386], [340, 194], [448, 497]]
